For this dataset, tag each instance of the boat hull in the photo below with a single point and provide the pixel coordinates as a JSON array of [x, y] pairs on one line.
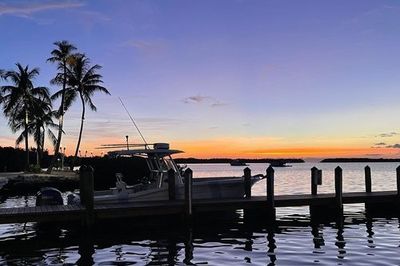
[[203, 188]]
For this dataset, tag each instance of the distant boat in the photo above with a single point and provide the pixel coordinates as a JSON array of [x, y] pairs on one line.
[[238, 163], [279, 163]]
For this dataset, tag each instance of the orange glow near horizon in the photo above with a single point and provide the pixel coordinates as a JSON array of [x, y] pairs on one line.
[[246, 148]]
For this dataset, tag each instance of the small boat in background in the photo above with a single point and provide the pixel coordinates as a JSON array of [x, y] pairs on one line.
[[238, 163], [279, 163]]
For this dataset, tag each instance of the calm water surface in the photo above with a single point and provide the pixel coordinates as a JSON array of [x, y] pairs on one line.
[[293, 241]]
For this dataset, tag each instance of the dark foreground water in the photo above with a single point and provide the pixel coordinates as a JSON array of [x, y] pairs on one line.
[[293, 240]]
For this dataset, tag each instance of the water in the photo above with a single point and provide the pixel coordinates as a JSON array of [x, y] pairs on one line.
[[293, 241]]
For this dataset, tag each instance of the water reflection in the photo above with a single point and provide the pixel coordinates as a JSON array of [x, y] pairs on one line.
[[370, 232], [285, 242], [271, 247], [189, 247], [340, 242], [86, 249], [318, 239]]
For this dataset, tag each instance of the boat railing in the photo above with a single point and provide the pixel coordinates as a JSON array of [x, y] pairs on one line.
[[141, 187]]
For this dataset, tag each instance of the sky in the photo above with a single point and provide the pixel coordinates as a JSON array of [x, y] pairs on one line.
[[238, 79]]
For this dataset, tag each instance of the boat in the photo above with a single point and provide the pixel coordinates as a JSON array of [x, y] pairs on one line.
[[279, 163], [238, 163], [159, 160]]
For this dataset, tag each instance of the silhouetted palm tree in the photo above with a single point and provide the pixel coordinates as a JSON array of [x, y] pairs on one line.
[[83, 81], [41, 120], [20, 98], [60, 55]]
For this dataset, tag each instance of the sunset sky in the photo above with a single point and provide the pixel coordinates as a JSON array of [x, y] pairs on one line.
[[304, 79]]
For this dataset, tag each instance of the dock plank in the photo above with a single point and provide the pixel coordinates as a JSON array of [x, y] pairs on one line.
[[59, 213]]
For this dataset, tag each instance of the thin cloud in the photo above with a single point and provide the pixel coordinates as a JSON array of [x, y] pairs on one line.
[[198, 99], [380, 144], [394, 146], [388, 135], [148, 47], [218, 104], [27, 9]]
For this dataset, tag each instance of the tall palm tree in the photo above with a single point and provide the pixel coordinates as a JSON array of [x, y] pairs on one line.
[[61, 55], [83, 81], [20, 98]]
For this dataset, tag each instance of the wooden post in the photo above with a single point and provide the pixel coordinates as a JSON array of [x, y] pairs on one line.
[[188, 176], [339, 188], [171, 184], [398, 180], [368, 183], [271, 192], [270, 187], [86, 181], [319, 177], [247, 182], [314, 179]]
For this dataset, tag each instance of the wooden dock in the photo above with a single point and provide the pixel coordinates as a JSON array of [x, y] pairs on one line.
[[322, 204]]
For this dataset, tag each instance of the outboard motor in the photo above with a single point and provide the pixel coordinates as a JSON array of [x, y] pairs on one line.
[[49, 196], [73, 199]]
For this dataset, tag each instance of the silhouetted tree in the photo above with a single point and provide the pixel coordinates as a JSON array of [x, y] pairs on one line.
[[83, 82], [41, 121], [61, 55], [19, 100]]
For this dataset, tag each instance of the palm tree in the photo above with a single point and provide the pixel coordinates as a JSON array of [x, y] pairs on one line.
[[83, 81], [61, 55], [41, 119], [20, 98]]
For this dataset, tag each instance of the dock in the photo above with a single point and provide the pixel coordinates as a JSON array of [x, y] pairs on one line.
[[327, 204]]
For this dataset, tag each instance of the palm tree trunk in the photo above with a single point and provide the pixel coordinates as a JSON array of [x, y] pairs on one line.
[[26, 141], [37, 154], [60, 122], [80, 133], [42, 145]]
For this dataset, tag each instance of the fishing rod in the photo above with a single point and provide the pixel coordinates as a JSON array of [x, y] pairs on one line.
[[133, 121]]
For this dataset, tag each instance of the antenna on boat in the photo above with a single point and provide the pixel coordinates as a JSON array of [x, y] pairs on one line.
[[133, 121], [127, 142]]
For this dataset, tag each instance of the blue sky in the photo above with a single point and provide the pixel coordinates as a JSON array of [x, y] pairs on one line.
[[258, 76]]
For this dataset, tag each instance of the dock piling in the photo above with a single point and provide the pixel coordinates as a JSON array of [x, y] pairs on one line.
[[247, 182], [319, 177], [188, 176], [339, 189], [398, 180], [270, 192], [368, 182], [314, 180], [171, 184], [86, 182]]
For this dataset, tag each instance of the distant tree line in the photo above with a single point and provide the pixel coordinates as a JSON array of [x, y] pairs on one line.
[[359, 160], [29, 108], [228, 160], [12, 159]]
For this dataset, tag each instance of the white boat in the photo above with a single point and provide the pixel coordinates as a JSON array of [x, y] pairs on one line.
[[159, 160]]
